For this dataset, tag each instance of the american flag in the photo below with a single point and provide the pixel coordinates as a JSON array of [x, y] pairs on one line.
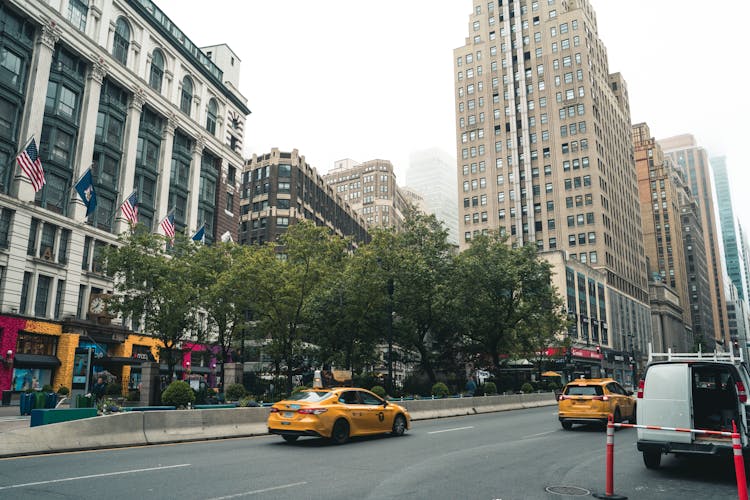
[[167, 224], [130, 208], [29, 161]]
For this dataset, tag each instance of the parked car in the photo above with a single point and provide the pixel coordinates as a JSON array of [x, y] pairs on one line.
[[585, 401], [337, 414], [704, 391]]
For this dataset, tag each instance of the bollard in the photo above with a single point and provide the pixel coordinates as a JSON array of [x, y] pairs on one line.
[[610, 480], [739, 464]]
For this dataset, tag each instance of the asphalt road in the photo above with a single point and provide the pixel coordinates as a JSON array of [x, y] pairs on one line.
[[508, 455]]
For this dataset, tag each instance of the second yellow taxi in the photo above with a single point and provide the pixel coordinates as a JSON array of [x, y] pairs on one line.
[[337, 414], [590, 400]]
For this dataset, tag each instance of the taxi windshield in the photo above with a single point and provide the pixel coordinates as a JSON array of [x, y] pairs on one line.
[[312, 396]]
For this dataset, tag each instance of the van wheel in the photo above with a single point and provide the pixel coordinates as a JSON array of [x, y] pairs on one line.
[[340, 434], [652, 459]]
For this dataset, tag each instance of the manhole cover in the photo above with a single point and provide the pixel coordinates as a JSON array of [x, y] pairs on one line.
[[568, 490]]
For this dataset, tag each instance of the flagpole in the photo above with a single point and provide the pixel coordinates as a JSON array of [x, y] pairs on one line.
[[15, 158], [28, 141]]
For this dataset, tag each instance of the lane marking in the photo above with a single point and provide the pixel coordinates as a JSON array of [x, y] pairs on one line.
[[537, 435], [132, 471], [451, 430], [264, 490]]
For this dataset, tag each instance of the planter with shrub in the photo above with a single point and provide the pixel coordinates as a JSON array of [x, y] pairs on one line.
[[490, 388], [527, 388], [235, 392], [178, 394], [439, 390], [379, 390], [63, 391]]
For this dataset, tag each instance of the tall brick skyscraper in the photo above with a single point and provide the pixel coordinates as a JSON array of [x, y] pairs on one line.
[[685, 152], [544, 148]]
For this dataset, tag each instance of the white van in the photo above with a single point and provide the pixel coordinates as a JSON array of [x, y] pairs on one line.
[[706, 391]]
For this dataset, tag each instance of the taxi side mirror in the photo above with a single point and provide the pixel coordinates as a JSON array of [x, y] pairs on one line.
[[629, 393], [385, 403]]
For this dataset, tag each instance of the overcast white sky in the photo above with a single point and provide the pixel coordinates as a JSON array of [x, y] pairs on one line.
[[374, 79]]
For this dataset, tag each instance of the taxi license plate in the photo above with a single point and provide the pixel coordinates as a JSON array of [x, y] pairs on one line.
[[288, 414]]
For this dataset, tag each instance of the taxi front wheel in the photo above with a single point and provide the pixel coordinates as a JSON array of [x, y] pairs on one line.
[[399, 425], [340, 434]]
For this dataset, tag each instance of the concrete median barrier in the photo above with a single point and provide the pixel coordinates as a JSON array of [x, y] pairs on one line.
[[454, 407], [154, 427], [109, 431], [188, 425]]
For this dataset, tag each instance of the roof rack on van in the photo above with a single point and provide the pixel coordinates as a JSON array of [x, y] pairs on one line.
[[694, 356]]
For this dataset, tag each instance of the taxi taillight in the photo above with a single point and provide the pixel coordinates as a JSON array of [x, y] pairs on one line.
[[274, 410], [601, 398], [312, 411], [741, 392], [641, 384]]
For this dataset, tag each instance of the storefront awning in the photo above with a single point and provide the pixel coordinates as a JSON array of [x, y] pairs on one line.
[[117, 361], [21, 359]]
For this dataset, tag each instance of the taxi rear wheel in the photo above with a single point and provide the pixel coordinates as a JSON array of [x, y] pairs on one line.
[[340, 434], [399, 425], [566, 425], [289, 439]]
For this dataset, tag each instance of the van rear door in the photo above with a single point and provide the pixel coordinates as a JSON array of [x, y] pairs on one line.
[[666, 402]]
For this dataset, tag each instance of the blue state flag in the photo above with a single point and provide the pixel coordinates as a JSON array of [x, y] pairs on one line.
[[85, 188], [200, 234]]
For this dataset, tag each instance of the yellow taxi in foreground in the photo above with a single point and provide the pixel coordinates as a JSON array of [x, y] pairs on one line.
[[337, 414], [584, 401]]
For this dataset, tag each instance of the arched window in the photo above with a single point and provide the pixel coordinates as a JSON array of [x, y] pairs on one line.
[[213, 110], [157, 70], [122, 41], [186, 97]]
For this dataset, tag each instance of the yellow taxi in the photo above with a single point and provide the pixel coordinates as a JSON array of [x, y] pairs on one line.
[[584, 401], [337, 414]]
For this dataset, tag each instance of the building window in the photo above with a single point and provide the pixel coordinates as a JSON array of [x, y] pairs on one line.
[[211, 113], [42, 295], [186, 95], [121, 41], [157, 70], [40, 345], [77, 13]]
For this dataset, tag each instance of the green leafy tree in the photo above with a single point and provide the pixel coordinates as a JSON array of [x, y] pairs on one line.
[[418, 260], [543, 328], [154, 287], [287, 278], [347, 312], [223, 281], [497, 288]]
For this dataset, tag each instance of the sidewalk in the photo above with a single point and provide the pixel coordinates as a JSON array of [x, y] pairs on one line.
[[11, 418]]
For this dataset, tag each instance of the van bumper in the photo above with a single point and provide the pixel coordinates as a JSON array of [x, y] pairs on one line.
[[715, 449]]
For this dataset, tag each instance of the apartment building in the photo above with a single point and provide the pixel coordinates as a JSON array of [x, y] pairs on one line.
[[371, 190], [663, 243], [683, 150], [544, 145], [280, 188], [117, 87]]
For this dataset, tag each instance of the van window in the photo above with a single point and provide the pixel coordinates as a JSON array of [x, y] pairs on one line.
[[584, 390]]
